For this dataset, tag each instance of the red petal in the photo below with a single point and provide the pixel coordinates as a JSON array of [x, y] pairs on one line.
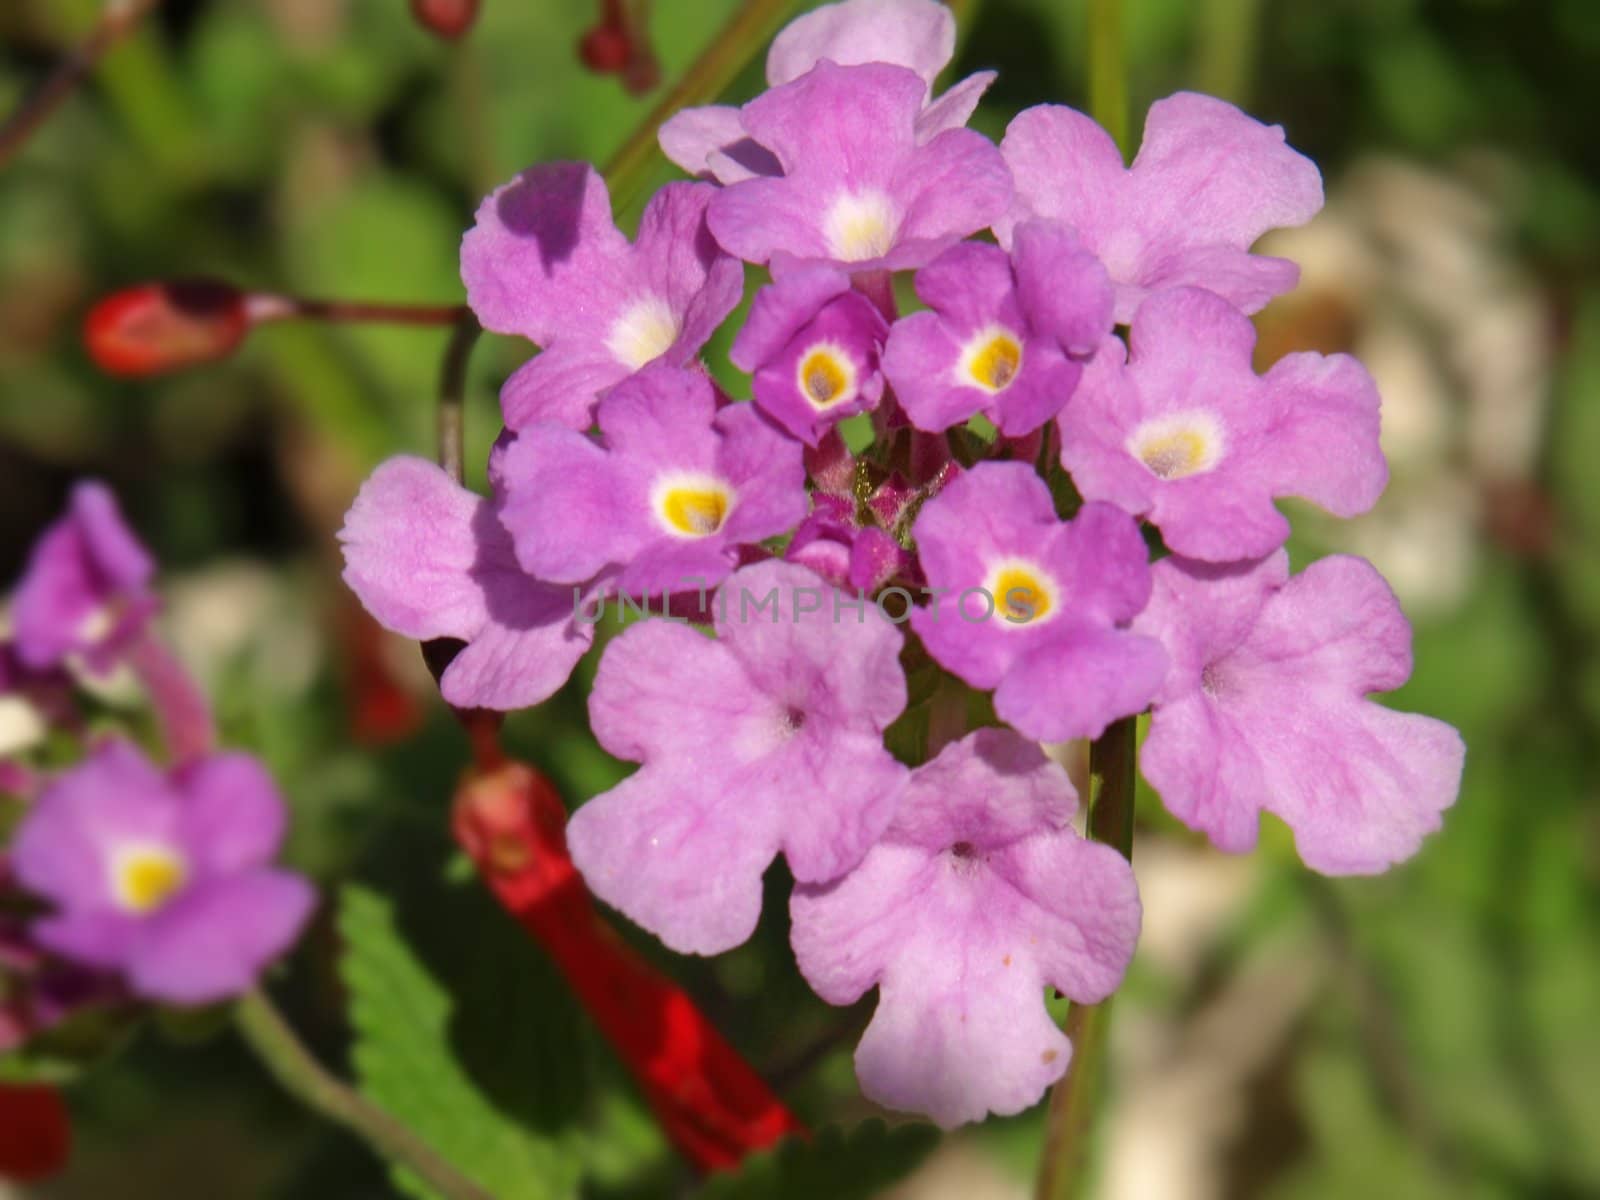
[[35, 1133]]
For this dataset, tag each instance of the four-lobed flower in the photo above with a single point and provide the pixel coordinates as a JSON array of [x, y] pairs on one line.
[[1186, 434], [1265, 709], [978, 896], [767, 739], [1207, 182], [165, 877], [672, 490], [545, 261], [1034, 607], [1005, 333]]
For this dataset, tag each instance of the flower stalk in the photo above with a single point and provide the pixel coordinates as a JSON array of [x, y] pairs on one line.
[[116, 21], [263, 1027]]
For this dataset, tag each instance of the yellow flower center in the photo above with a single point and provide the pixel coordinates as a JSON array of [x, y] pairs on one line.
[[860, 226], [827, 376], [146, 877], [643, 333], [991, 360], [1022, 592], [693, 506], [1178, 446]]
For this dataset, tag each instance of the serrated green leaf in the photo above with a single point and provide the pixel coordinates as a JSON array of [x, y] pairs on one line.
[[402, 1058], [835, 1164]]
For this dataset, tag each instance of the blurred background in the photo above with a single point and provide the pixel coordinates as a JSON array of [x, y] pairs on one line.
[[1432, 1032]]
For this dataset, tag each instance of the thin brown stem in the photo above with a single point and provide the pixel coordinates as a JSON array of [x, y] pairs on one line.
[[1064, 1161], [289, 308], [452, 395], [116, 22]]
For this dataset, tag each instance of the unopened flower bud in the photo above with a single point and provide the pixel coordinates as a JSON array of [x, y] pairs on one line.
[[446, 18], [156, 328]]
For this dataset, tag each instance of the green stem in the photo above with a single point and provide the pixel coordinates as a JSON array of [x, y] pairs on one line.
[[719, 64], [1108, 70], [1063, 1166], [269, 1035]]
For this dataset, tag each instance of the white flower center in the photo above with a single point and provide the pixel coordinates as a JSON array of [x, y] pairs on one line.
[[1178, 445], [643, 333], [860, 226]]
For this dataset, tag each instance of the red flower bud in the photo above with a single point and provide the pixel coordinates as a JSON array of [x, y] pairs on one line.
[[447, 18], [35, 1133], [160, 327], [605, 49]]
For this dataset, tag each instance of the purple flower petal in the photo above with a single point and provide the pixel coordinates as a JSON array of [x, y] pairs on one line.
[[85, 587], [978, 896], [768, 738], [1207, 182], [545, 261], [1186, 433], [1265, 709], [858, 191], [673, 490], [429, 559]]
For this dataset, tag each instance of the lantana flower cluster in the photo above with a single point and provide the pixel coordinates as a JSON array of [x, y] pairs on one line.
[[124, 879], [1057, 485]]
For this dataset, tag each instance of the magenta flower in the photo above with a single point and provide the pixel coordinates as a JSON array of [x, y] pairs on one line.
[[670, 492], [545, 261], [1265, 709], [1208, 182], [917, 34], [1034, 607], [85, 590], [1002, 333], [979, 896], [1186, 434], [858, 190], [766, 740], [428, 559], [811, 345], [163, 877]]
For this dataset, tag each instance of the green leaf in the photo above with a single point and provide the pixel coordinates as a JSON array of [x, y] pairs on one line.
[[835, 1164], [402, 1058]]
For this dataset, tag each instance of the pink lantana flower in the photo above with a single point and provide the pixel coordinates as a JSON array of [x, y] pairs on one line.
[[979, 896], [1266, 710]]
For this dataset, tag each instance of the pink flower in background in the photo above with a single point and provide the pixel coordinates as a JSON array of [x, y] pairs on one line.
[[767, 740], [1002, 332], [979, 896], [916, 34], [1208, 181], [1035, 607], [429, 559], [163, 877], [811, 345], [672, 489], [86, 588], [545, 261], [858, 190], [1186, 434], [1266, 710]]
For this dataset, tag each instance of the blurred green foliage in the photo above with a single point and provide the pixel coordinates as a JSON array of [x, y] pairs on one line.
[[1450, 1045]]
